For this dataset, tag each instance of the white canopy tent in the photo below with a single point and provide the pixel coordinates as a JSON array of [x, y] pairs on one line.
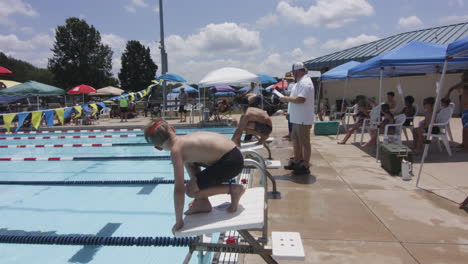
[[229, 76]]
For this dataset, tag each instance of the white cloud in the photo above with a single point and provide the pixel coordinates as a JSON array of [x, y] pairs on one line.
[[340, 44], [297, 52], [267, 20], [130, 9], [116, 42], [215, 39], [35, 50], [333, 13], [140, 3], [10, 7], [156, 9], [453, 3], [453, 19], [410, 22], [310, 41]]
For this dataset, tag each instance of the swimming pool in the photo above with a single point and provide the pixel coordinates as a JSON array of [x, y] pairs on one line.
[[124, 210]]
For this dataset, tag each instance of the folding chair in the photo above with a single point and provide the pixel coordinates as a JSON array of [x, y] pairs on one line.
[[370, 123], [398, 125], [411, 126], [442, 121]]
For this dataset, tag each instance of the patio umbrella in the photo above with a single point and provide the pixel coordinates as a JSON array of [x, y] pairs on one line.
[[109, 90], [5, 71], [32, 88], [188, 89], [9, 83], [223, 88], [81, 89], [264, 79], [283, 84], [172, 77]]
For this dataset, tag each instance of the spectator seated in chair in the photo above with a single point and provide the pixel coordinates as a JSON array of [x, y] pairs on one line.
[[388, 119], [409, 110], [363, 113]]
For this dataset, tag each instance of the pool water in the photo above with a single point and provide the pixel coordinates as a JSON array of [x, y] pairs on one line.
[[102, 210]]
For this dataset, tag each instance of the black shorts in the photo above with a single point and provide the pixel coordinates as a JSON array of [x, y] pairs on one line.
[[408, 122], [182, 109], [263, 129], [226, 168], [123, 109]]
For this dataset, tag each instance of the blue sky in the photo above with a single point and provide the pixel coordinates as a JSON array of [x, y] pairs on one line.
[[262, 36]]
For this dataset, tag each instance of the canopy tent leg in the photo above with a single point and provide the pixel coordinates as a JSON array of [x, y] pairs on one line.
[[380, 102], [342, 106], [427, 141]]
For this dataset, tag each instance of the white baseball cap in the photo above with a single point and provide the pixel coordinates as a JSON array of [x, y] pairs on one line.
[[298, 66]]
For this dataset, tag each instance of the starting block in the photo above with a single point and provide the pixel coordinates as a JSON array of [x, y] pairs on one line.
[[250, 215]]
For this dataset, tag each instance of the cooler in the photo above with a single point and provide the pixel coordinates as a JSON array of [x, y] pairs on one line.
[[326, 127], [391, 156]]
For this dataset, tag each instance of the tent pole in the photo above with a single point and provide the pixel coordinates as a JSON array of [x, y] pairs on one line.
[[342, 106], [429, 130], [380, 102]]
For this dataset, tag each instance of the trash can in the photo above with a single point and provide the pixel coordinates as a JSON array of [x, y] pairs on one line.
[[206, 115]]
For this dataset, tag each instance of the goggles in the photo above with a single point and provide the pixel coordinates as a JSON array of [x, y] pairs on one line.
[[149, 139]]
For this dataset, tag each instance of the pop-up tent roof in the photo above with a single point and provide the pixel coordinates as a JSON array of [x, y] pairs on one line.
[[339, 72], [187, 88], [412, 58], [32, 88], [458, 48], [229, 76]]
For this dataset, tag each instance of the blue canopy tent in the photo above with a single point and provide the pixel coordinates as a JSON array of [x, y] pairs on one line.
[[412, 58], [456, 58], [264, 79], [458, 48], [337, 74], [168, 77], [188, 89]]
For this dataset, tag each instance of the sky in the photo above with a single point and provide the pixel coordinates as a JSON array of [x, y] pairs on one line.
[[261, 36]]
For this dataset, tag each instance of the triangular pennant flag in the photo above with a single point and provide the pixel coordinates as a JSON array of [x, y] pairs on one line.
[[103, 105], [68, 111], [132, 96], [95, 109], [7, 118], [36, 119], [49, 117], [21, 118], [60, 112], [77, 108]]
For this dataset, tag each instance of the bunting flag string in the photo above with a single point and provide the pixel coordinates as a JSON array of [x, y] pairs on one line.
[[63, 113], [7, 119]]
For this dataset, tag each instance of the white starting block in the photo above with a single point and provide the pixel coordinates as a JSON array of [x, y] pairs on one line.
[[287, 246], [250, 215], [270, 164]]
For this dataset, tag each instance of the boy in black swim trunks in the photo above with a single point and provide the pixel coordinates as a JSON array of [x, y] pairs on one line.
[[254, 121], [220, 156]]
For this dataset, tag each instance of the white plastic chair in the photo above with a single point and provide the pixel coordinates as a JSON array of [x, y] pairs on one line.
[[349, 114], [442, 121], [371, 123], [105, 113], [395, 137], [449, 130], [411, 127]]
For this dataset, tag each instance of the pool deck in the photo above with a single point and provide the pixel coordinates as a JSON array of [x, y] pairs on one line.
[[349, 210]]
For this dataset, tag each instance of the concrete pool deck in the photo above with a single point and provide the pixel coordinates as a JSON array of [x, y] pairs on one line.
[[349, 210]]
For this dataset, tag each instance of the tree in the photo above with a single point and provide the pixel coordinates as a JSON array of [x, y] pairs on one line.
[[138, 69], [79, 57], [24, 71]]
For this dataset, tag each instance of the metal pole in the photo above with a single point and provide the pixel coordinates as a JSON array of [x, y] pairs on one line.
[[429, 131], [163, 54], [343, 117], [380, 102]]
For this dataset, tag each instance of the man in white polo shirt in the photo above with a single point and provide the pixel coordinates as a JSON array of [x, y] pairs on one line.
[[301, 115]]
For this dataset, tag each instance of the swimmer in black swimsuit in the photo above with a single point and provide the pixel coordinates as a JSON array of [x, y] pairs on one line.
[[254, 121]]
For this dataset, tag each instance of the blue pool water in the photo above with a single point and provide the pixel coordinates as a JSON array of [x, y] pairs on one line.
[[122, 210]]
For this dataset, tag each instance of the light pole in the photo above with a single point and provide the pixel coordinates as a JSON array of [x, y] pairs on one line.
[[163, 54]]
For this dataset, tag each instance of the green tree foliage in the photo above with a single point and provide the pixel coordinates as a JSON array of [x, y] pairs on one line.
[[79, 57], [24, 71], [138, 69]]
